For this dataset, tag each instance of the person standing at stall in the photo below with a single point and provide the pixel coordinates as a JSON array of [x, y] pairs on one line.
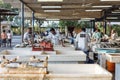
[[96, 35], [114, 34], [9, 38], [82, 40], [4, 38], [28, 36], [55, 37]]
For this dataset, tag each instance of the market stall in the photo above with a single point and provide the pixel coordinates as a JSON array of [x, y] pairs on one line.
[[52, 71], [59, 56]]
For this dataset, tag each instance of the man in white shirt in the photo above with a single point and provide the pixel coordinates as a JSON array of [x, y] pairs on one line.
[[28, 36], [82, 40], [54, 37]]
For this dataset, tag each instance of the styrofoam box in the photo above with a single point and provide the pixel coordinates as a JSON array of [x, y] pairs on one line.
[[61, 55], [113, 57], [59, 47], [77, 72]]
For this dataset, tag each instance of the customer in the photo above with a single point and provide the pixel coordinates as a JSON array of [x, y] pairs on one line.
[[96, 35], [9, 38], [55, 37], [114, 34], [105, 37], [28, 36], [4, 38], [82, 40], [37, 38]]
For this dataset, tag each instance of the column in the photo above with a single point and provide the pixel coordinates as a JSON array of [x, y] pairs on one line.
[[93, 24], [33, 18], [105, 26], [0, 30], [22, 21]]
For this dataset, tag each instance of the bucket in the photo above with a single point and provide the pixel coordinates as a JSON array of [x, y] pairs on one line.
[[110, 66]]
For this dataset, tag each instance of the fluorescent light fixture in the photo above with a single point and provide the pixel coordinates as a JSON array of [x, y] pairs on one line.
[[51, 6], [84, 20], [42, 17], [102, 6], [50, 0], [112, 18], [87, 18], [51, 10], [52, 19], [109, 0], [115, 12], [93, 10]]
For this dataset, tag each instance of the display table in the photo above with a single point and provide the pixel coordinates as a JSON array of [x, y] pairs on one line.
[[67, 47], [102, 54], [64, 72], [77, 72], [17, 68], [108, 50], [57, 47], [24, 48], [54, 56]]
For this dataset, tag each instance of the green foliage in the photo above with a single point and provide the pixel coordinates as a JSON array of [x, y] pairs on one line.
[[100, 26], [83, 24], [39, 22], [68, 23], [5, 5], [52, 24], [75, 24], [62, 23], [1, 2]]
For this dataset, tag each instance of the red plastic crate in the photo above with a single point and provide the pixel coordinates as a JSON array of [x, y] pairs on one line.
[[40, 49]]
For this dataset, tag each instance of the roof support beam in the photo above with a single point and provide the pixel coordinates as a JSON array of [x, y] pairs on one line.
[[26, 5]]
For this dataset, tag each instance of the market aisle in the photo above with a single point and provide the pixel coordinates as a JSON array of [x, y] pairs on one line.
[[15, 40]]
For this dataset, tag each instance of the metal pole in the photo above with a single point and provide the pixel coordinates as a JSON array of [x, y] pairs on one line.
[[91, 28], [0, 30], [0, 26], [22, 21], [33, 27], [39, 26], [105, 26], [93, 25]]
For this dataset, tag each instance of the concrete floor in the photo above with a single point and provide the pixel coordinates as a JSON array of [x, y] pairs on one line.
[[15, 40]]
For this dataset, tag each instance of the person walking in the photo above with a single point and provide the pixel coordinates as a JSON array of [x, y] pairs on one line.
[[4, 38], [9, 38]]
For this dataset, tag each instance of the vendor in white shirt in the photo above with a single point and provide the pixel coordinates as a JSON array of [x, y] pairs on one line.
[[54, 37], [28, 36], [82, 40]]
